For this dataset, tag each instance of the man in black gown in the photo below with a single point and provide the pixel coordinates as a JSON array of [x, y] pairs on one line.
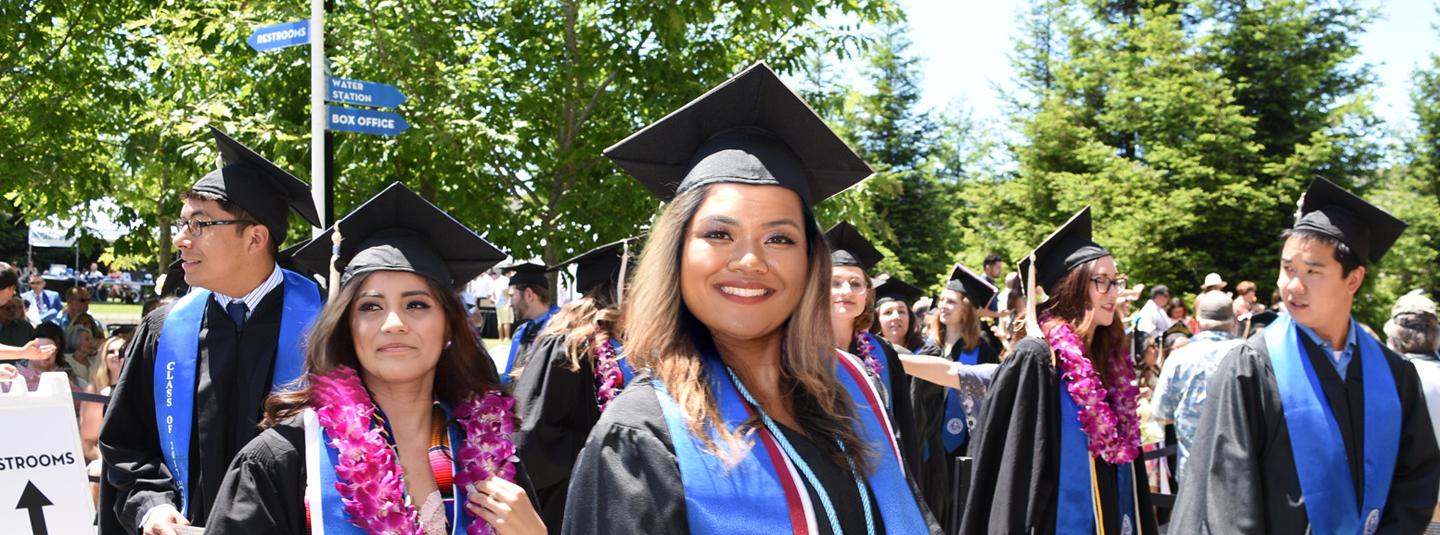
[[232, 222], [1246, 474]]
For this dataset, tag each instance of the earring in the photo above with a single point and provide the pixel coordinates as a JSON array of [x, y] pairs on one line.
[[447, 343]]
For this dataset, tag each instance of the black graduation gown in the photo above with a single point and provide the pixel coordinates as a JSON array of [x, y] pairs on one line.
[[1016, 446], [264, 490], [557, 409], [1242, 475], [938, 466], [627, 479], [232, 381], [902, 415]]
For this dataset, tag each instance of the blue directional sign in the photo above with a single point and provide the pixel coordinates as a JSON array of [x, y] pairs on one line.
[[278, 36], [364, 93], [365, 121]]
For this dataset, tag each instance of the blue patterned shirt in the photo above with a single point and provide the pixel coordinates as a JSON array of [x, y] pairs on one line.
[[1180, 393]]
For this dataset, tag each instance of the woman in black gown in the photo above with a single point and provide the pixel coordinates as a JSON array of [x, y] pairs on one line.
[[575, 369], [745, 419], [399, 424], [1057, 449]]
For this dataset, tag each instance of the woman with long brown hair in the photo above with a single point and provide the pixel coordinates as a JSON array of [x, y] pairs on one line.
[[894, 320], [746, 418], [1057, 448], [398, 424], [573, 373]]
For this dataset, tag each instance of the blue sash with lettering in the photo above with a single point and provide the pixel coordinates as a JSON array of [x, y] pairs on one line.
[[1076, 507], [538, 324], [1319, 450], [749, 498], [179, 350], [957, 429], [331, 509]]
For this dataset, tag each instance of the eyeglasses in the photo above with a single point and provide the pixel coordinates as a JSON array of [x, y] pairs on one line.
[[1104, 284], [197, 228], [36, 283], [842, 285]]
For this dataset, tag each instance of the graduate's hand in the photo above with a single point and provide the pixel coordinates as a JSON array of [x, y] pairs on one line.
[[162, 520], [505, 506]]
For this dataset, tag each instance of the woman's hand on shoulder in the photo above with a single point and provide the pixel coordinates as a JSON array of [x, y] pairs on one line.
[[505, 506]]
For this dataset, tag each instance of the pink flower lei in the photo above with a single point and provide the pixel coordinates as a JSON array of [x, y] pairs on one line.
[[1108, 416], [608, 379], [370, 480], [868, 352]]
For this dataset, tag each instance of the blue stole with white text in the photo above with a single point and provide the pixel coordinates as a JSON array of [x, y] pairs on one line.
[[957, 429], [1319, 450], [755, 496], [538, 324], [179, 351]]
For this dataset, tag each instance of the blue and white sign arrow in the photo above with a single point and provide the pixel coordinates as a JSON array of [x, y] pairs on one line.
[[365, 121], [363, 93], [278, 36]]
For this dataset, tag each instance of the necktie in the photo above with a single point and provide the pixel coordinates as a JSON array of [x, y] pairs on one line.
[[236, 310]]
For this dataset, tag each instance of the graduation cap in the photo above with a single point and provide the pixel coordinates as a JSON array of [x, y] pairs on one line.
[[528, 273], [752, 129], [173, 280], [397, 230], [895, 289], [973, 286], [599, 265], [849, 248], [1366, 229], [1066, 248], [260, 187]]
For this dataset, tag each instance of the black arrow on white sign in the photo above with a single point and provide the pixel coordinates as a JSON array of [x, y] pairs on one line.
[[35, 501]]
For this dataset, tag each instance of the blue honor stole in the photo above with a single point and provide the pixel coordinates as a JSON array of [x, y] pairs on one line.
[[1078, 509], [326, 509], [538, 324], [1322, 463], [957, 428], [763, 494], [179, 351], [626, 372]]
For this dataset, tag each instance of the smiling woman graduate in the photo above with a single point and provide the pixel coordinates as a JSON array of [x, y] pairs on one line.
[[1057, 445], [745, 418], [399, 425]]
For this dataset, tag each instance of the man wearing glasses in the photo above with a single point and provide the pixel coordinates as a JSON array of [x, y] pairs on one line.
[[191, 391], [77, 303], [41, 303]]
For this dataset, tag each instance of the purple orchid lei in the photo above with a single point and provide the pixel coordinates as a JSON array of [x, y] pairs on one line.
[[1108, 416], [371, 481], [867, 352], [608, 378]]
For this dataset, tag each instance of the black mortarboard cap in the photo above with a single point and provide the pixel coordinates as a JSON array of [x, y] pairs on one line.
[[529, 273], [973, 286], [263, 189], [752, 129], [174, 283], [1365, 228], [1064, 250], [895, 289], [849, 248], [599, 265], [397, 230]]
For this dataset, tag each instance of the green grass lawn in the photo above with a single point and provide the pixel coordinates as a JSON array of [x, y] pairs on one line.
[[115, 309]]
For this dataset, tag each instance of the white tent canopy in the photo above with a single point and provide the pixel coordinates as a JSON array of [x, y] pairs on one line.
[[99, 221]]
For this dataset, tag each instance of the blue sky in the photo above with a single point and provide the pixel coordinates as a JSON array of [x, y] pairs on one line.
[[966, 45]]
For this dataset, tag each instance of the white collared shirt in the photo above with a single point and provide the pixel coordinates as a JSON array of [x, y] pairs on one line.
[[253, 298]]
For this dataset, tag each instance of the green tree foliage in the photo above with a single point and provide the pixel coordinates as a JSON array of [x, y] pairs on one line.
[[511, 101]]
